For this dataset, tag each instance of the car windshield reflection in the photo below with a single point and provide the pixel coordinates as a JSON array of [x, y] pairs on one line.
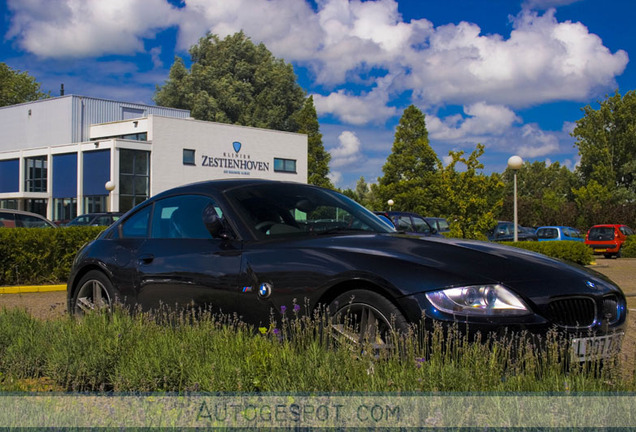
[[270, 211]]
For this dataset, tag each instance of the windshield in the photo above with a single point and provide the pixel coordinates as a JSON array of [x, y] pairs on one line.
[[283, 209], [601, 233]]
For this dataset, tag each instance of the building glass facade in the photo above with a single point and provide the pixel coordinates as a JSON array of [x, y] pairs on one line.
[[134, 178], [36, 169]]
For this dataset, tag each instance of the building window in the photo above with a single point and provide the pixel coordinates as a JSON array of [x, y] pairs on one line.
[[36, 206], [36, 174], [134, 178], [9, 204], [141, 136], [285, 165], [188, 157], [95, 203], [64, 209]]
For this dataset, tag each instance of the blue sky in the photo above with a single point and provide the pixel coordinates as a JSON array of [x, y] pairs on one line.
[[510, 74]]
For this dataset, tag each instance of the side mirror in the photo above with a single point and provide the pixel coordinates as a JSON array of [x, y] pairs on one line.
[[214, 224]]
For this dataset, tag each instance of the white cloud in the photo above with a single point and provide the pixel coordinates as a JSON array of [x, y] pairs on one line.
[[482, 120], [357, 110], [347, 152], [87, 28], [361, 55], [542, 60], [536, 143], [546, 4], [345, 41]]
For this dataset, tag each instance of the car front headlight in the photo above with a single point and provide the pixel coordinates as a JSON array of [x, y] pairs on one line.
[[480, 300]]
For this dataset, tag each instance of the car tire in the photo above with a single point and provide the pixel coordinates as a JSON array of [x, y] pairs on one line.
[[362, 317], [95, 292]]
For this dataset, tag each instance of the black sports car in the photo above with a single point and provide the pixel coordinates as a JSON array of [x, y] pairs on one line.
[[253, 246]]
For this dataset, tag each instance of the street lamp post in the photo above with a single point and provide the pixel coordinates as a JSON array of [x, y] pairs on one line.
[[110, 187], [514, 163], [390, 203]]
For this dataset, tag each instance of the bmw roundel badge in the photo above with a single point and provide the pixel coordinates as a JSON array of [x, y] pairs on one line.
[[265, 290]]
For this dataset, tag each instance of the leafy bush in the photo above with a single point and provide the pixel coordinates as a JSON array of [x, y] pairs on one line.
[[572, 251], [37, 256], [629, 247]]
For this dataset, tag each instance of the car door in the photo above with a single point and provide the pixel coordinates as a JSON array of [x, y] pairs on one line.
[[182, 264]]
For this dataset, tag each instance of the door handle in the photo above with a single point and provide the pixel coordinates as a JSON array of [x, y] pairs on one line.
[[146, 259]]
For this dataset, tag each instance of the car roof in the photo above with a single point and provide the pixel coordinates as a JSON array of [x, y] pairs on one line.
[[555, 226], [401, 213], [223, 185], [608, 225], [21, 212]]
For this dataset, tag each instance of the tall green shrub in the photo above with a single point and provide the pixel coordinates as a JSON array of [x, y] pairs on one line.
[[37, 256]]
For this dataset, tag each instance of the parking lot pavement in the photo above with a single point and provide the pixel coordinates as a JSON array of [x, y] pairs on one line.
[[623, 272]]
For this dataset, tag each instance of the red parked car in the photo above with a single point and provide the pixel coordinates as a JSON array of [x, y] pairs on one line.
[[608, 239]]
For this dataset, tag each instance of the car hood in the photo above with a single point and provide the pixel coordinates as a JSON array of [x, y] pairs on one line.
[[442, 262]]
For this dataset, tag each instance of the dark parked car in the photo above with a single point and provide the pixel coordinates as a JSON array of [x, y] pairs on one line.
[[250, 247], [23, 219], [608, 239], [504, 231], [95, 219], [407, 222]]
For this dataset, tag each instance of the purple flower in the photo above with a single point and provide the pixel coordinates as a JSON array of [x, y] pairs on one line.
[[419, 361], [283, 309], [276, 331], [296, 308]]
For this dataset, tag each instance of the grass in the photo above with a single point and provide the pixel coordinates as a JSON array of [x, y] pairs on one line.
[[166, 352]]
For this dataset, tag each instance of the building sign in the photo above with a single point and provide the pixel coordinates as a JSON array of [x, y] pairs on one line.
[[234, 162]]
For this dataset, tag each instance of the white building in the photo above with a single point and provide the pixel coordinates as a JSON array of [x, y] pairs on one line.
[[57, 155]]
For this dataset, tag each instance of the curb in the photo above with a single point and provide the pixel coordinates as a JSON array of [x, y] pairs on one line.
[[31, 289]]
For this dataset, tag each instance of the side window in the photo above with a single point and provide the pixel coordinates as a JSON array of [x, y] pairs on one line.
[[7, 220], [27, 221], [548, 233], [137, 224], [103, 220], [404, 223], [421, 226], [182, 217]]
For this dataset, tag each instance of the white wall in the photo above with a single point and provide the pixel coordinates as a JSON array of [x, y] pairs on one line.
[[36, 124], [215, 140]]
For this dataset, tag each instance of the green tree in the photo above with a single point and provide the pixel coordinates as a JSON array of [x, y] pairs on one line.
[[409, 174], [18, 87], [318, 158], [234, 81], [468, 198], [544, 194], [607, 144]]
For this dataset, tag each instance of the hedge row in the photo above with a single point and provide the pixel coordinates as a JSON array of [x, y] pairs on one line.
[[576, 252], [40, 256], [629, 247]]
